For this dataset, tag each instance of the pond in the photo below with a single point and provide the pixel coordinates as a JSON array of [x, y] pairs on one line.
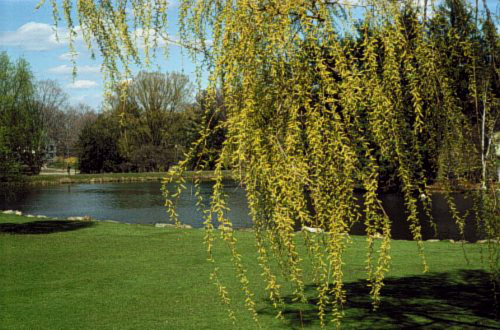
[[142, 202]]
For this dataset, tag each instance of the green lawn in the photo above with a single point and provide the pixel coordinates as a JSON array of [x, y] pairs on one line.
[[77, 275]]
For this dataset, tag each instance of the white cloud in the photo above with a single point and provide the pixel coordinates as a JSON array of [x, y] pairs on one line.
[[163, 40], [92, 99], [172, 4], [68, 69], [139, 35], [35, 36], [82, 84], [68, 56]]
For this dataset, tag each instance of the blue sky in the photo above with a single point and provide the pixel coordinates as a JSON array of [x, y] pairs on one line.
[[26, 32]]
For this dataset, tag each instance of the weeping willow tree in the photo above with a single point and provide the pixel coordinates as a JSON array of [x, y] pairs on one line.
[[320, 96]]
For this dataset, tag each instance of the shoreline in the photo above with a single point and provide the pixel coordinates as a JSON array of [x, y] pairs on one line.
[[54, 179], [46, 179], [55, 176], [89, 219]]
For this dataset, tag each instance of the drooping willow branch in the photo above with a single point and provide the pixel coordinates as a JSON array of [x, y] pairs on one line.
[[319, 105]]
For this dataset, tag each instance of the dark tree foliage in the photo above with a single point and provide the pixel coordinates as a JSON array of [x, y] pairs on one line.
[[152, 112], [150, 124], [470, 53], [98, 146], [208, 114]]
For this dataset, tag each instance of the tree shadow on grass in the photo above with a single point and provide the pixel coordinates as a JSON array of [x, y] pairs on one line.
[[43, 227], [457, 300]]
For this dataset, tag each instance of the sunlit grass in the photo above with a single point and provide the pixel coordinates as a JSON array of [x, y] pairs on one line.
[[97, 275]]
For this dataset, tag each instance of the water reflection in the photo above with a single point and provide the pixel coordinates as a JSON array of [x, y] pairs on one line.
[[142, 202], [393, 204], [137, 202]]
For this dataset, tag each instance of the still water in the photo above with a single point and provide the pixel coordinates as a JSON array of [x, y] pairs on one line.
[[142, 202], [136, 202]]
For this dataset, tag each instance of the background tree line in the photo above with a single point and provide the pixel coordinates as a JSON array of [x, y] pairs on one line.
[[152, 124], [147, 124], [37, 122]]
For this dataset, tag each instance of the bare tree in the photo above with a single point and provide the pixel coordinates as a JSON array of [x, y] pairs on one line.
[[51, 98], [75, 118], [61, 122], [153, 96]]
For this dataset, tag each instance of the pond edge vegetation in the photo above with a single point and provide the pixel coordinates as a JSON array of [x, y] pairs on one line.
[[204, 176]]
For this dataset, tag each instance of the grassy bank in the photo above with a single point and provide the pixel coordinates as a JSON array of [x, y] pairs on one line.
[[114, 177], [97, 275], [49, 179]]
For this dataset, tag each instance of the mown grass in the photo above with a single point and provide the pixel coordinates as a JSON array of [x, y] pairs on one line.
[[115, 177], [76, 275]]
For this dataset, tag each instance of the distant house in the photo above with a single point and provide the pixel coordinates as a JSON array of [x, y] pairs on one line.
[[50, 151]]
